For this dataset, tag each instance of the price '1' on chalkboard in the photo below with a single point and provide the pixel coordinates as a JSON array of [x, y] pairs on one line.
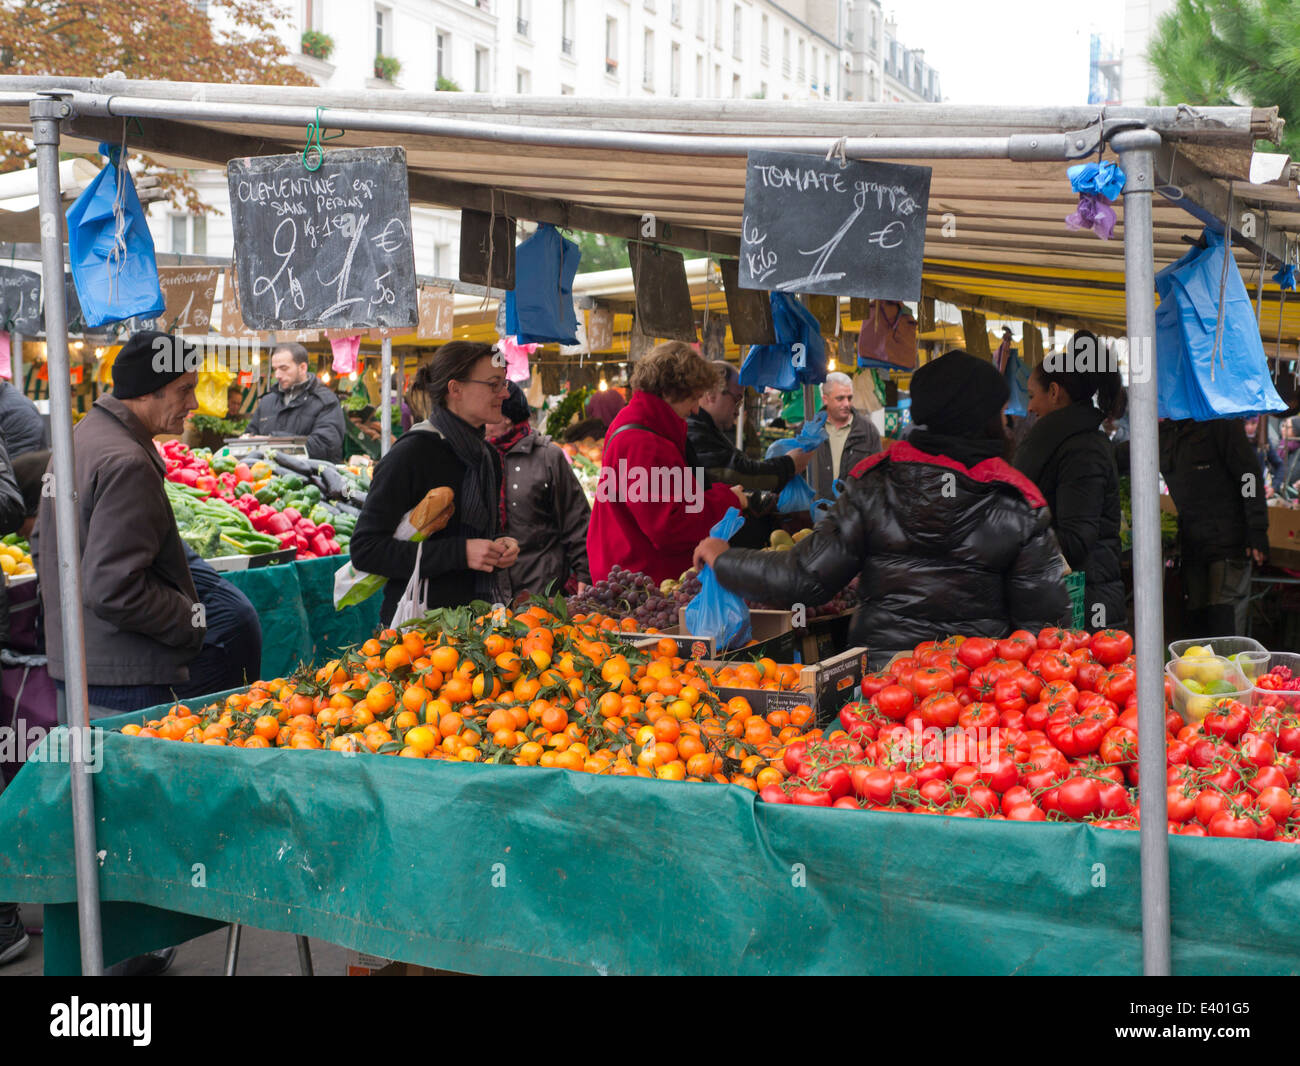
[[328, 248], [812, 225]]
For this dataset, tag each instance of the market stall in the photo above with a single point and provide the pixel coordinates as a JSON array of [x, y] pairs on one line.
[[686, 167]]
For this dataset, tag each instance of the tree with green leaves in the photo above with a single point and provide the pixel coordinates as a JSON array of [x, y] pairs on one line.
[[600, 252], [1232, 52]]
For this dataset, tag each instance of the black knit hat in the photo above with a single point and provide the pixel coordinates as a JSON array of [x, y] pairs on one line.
[[151, 360], [515, 407], [957, 394]]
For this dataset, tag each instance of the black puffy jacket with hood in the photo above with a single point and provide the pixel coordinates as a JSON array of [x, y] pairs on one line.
[[941, 549]]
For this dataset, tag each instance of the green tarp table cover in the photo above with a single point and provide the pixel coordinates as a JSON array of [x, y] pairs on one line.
[[296, 605], [492, 869]]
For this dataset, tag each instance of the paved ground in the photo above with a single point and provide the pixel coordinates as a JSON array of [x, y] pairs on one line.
[[260, 952]]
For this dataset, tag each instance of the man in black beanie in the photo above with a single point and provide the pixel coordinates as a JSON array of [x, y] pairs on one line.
[[145, 623]]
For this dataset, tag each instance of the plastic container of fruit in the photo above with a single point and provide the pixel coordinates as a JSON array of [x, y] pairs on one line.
[[1198, 683], [1285, 700], [1227, 646]]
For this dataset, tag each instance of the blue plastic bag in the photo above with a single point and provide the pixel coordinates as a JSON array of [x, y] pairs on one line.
[[111, 249], [539, 309], [1017, 375], [781, 365], [1208, 369], [796, 494], [716, 612]]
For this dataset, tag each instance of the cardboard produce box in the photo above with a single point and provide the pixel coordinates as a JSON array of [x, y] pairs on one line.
[[773, 631], [826, 687], [1284, 537]]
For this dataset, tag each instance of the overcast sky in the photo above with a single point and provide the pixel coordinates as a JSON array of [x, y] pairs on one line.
[[1009, 51]]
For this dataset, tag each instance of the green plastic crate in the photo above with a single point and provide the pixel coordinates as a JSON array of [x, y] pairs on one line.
[[1078, 607]]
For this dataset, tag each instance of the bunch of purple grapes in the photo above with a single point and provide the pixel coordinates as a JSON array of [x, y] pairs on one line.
[[624, 594], [688, 589]]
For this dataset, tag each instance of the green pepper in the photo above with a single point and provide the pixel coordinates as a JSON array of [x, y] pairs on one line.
[[10, 538], [312, 493], [292, 482], [320, 515], [266, 495]]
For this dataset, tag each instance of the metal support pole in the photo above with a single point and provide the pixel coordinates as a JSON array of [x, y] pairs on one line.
[[233, 933], [740, 423], [45, 116], [386, 396], [1137, 154], [305, 967], [809, 403], [16, 361]]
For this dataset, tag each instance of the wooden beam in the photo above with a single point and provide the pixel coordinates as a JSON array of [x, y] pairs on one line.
[[1207, 201], [1010, 310]]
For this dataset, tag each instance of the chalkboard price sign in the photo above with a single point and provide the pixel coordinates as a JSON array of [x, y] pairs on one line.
[[329, 248], [20, 301], [814, 226]]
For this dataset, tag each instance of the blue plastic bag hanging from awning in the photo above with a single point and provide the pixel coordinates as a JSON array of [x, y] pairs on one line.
[[1017, 375], [784, 365], [110, 248], [539, 309], [1211, 360], [716, 612]]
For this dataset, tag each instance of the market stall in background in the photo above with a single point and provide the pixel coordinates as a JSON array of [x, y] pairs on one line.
[[617, 682]]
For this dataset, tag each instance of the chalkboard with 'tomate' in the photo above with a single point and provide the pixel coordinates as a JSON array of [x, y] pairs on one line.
[[329, 248], [814, 226]]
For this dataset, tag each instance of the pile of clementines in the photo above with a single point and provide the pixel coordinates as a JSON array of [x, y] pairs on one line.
[[526, 689]]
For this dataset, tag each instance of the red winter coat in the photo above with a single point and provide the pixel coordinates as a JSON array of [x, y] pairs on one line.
[[651, 509]]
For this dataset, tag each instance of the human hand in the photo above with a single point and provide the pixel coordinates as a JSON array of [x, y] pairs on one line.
[[708, 550], [582, 587], [801, 459], [1257, 556], [509, 548], [741, 496], [482, 555]]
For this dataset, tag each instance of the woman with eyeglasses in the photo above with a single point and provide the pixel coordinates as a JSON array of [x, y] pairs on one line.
[[462, 387]]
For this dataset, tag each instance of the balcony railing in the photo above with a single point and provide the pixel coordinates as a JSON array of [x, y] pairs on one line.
[[764, 53]]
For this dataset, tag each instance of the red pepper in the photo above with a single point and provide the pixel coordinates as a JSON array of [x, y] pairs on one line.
[[279, 524], [326, 529], [320, 545], [335, 547], [306, 527], [187, 477], [243, 473], [292, 514]]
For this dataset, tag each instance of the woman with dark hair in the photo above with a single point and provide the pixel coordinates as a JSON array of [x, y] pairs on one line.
[[945, 535], [462, 388], [1072, 461], [652, 506]]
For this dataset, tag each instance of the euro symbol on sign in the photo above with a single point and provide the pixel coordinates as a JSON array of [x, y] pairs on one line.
[[387, 242]]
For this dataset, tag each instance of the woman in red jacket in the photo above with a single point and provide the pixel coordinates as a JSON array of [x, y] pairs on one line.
[[652, 506]]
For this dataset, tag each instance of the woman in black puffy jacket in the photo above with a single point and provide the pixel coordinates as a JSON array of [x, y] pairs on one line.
[[947, 537], [1072, 462]]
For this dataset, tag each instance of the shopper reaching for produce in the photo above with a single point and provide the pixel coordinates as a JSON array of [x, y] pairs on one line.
[[947, 536], [462, 387], [652, 506]]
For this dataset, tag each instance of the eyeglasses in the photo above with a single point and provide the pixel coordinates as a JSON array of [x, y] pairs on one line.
[[495, 386]]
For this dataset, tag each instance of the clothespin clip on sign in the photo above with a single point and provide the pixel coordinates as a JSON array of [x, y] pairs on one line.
[[837, 151], [313, 155]]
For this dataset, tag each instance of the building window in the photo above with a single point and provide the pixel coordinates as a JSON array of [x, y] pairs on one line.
[[313, 14], [699, 19], [482, 70], [566, 41], [442, 260], [523, 82], [737, 30], [189, 234], [676, 13], [675, 71], [785, 52], [826, 74], [650, 6], [383, 31], [717, 25], [648, 60], [735, 86], [763, 51], [611, 46], [523, 16], [566, 90], [717, 81], [802, 56], [701, 90], [443, 54]]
